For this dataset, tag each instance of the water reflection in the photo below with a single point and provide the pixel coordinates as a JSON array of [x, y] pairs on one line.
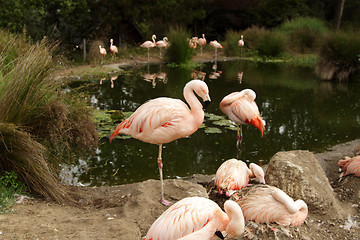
[[301, 112]]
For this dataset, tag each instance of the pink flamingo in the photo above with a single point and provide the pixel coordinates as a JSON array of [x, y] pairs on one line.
[[193, 42], [162, 44], [268, 204], [241, 108], [102, 53], [234, 174], [350, 166], [241, 44], [149, 44], [202, 42], [197, 218], [216, 45], [163, 120], [113, 49]]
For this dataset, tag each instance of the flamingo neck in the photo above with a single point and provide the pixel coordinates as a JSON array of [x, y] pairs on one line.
[[291, 206], [236, 225], [192, 100]]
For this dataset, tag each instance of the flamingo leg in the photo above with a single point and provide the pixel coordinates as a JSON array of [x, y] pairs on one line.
[[239, 135], [160, 166], [148, 53]]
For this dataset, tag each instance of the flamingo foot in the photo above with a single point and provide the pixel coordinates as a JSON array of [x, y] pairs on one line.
[[165, 202]]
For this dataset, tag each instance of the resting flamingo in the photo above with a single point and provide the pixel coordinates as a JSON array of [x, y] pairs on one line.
[[268, 204], [193, 42], [241, 108], [149, 44], [162, 44], [202, 42], [102, 53], [216, 45], [234, 174], [350, 166], [197, 218], [163, 120], [113, 49]]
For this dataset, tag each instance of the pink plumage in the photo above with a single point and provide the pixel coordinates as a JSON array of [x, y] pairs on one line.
[[350, 166], [241, 108], [197, 218], [113, 48], [163, 119], [102, 50], [241, 41], [234, 174], [202, 41], [268, 204], [149, 44]]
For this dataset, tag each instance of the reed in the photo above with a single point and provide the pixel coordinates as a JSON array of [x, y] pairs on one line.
[[338, 57], [179, 51]]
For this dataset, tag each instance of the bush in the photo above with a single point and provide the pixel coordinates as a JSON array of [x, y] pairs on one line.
[[338, 57], [304, 33], [231, 43], [179, 51]]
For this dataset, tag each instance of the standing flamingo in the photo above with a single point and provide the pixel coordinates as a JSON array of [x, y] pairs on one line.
[[149, 44], [103, 53], [241, 44], [193, 42], [234, 174], [350, 166], [113, 49], [268, 204], [163, 120], [202, 42], [162, 44], [216, 45], [197, 218], [241, 108]]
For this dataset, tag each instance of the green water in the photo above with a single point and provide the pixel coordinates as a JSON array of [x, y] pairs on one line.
[[301, 112]]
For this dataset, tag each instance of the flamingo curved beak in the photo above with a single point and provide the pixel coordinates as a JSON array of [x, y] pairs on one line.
[[205, 104]]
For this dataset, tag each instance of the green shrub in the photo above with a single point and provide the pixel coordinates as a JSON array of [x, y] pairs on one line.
[[338, 57], [9, 186], [304, 33], [231, 47], [179, 51]]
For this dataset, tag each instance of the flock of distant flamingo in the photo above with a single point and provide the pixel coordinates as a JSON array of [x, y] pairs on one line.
[[163, 120], [164, 43]]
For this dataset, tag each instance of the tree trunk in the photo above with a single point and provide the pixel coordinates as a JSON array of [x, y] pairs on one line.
[[338, 14]]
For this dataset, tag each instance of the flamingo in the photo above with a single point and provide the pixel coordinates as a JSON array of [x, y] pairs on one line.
[[103, 53], [350, 166], [149, 44], [234, 174], [241, 44], [216, 45], [241, 108], [162, 44], [163, 120], [197, 218], [268, 204], [113, 49], [202, 42], [193, 42]]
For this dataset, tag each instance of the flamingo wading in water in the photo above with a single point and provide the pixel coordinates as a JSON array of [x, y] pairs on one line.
[[149, 44], [162, 44], [241, 44], [202, 42], [268, 204], [216, 45], [197, 218], [241, 108], [234, 174], [163, 120]]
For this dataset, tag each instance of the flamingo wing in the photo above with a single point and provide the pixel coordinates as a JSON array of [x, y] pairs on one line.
[[156, 121], [185, 217]]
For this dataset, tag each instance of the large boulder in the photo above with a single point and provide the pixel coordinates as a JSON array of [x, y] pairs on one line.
[[300, 175]]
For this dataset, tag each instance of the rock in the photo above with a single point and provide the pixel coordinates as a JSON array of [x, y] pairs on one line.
[[300, 175]]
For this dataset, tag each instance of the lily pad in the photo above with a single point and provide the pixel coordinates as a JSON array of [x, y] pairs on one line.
[[213, 117], [212, 130], [223, 122]]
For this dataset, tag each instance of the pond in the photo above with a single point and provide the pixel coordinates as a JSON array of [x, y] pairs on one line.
[[301, 112]]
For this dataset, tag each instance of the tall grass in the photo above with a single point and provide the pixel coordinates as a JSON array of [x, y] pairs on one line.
[[338, 57], [304, 33], [179, 51], [231, 43], [39, 123]]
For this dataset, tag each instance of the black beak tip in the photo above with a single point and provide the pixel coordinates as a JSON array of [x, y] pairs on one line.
[[205, 104]]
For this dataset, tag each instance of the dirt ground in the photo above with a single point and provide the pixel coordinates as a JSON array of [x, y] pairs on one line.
[[127, 211]]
